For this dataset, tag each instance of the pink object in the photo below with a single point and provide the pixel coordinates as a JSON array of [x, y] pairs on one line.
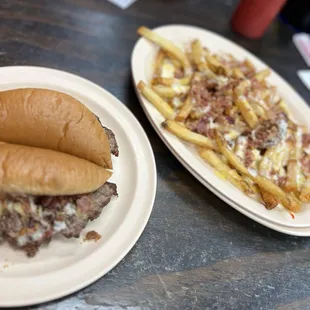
[[252, 17]]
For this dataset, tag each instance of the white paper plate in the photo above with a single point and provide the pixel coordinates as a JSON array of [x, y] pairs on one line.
[[68, 265], [142, 59]]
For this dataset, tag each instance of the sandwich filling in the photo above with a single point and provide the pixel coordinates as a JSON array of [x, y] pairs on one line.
[[30, 221]]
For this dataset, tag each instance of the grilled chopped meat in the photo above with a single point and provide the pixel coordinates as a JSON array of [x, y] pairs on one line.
[[306, 140], [111, 138], [269, 133], [30, 221], [112, 141], [305, 164], [92, 235]]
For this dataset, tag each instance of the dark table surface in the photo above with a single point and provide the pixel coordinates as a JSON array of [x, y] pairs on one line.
[[196, 252]]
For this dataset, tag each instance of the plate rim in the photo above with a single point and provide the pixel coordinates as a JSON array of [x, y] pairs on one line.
[[136, 52], [151, 194]]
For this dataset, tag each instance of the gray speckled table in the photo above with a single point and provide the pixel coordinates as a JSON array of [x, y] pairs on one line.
[[196, 252]]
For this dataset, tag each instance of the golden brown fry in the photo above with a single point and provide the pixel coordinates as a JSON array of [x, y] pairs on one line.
[[175, 62], [158, 63], [273, 160], [294, 175], [249, 64], [185, 110], [241, 88], [293, 171], [259, 110], [230, 174], [187, 135], [197, 52], [170, 92], [162, 81], [269, 200], [167, 46], [237, 73], [170, 81], [283, 107], [161, 105], [203, 68], [217, 66], [246, 111], [262, 182], [305, 192], [262, 75]]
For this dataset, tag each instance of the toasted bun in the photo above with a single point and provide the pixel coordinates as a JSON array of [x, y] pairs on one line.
[[52, 120], [30, 170]]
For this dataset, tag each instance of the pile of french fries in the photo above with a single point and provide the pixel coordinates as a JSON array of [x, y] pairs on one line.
[[169, 91]]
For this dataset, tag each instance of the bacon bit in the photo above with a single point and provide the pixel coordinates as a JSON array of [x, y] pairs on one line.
[[92, 235], [306, 140], [292, 215]]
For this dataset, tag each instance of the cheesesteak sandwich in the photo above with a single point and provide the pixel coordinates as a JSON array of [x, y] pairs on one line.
[[45, 192], [54, 153]]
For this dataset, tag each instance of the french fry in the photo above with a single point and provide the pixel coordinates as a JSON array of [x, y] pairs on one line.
[[216, 66], [269, 200], [241, 88], [249, 64], [185, 110], [262, 75], [197, 52], [167, 46], [283, 107], [305, 191], [170, 92], [273, 160], [203, 68], [262, 182], [237, 73], [161, 105], [246, 111], [158, 63], [170, 81], [177, 64], [187, 135], [231, 157], [230, 174], [162, 81], [294, 175], [258, 110]]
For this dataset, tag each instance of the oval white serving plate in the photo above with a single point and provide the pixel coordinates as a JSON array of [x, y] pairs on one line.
[[142, 63], [68, 265], [294, 231]]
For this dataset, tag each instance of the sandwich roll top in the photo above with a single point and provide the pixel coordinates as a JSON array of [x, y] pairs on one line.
[[52, 120], [36, 171]]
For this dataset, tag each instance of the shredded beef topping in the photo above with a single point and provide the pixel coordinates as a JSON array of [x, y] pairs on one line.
[[112, 141], [306, 140], [269, 133], [305, 163], [30, 221], [249, 157]]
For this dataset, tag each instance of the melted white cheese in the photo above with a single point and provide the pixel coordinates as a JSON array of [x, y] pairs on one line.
[[167, 70], [58, 226], [22, 240], [70, 209], [240, 147], [179, 89]]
